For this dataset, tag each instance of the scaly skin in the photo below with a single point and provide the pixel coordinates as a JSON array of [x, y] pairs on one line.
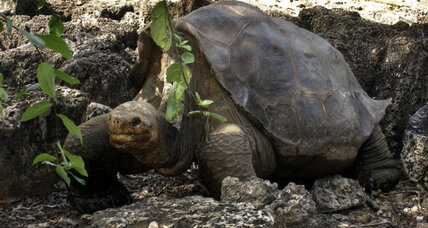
[[134, 128]]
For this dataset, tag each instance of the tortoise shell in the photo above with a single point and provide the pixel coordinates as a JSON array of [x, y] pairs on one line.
[[293, 82]]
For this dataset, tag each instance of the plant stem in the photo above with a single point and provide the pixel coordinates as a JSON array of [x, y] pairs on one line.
[[180, 61]]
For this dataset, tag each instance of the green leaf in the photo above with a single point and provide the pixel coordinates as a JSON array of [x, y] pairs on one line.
[[46, 77], [1, 78], [187, 47], [160, 30], [1, 27], [63, 174], [71, 127], [198, 98], [25, 91], [49, 163], [76, 163], [8, 23], [178, 37], [35, 110], [57, 44], [65, 77], [3, 95], [217, 116], [40, 4], [173, 73], [194, 112], [43, 157], [206, 103], [188, 57], [187, 72], [56, 27], [35, 40], [180, 92], [174, 106], [78, 179], [1, 108]]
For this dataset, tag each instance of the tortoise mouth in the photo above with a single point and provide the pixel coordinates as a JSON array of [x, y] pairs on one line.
[[123, 138]]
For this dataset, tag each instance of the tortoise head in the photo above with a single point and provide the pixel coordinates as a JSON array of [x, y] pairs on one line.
[[133, 127]]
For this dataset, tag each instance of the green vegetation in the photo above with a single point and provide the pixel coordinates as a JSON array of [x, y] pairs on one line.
[[162, 32], [179, 73], [46, 76]]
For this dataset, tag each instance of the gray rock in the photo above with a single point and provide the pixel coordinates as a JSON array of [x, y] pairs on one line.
[[255, 190], [335, 193], [101, 64], [293, 207], [21, 142], [7, 6], [95, 109], [415, 147], [194, 211], [388, 61], [102, 57]]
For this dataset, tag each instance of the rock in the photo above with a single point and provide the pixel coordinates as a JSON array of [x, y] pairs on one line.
[[255, 190], [95, 109], [293, 207], [194, 211], [21, 142], [415, 147], [389, 61], [336, 193], [101, 64], [101, 60], [422, 225], [7, 6]]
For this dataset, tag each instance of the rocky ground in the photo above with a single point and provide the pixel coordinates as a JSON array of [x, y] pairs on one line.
[[388, 57], [405, 206]]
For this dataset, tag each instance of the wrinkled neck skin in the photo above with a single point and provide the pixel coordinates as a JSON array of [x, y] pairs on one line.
[[144, 133]]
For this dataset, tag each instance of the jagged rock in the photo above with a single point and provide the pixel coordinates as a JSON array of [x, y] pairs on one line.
[[415, 150], [101, 64], [21, 142], [95, 109], [7, 6], [336, 193], [255, 190], [101, 60], [194, 211], [293, 207], [389, 61]]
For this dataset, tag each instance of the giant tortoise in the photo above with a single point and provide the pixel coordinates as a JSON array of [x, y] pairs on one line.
[[294, 110]]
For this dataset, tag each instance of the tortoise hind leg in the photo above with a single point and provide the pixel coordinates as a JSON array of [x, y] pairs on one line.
[[102, 161], [375, 167], [225, 153]]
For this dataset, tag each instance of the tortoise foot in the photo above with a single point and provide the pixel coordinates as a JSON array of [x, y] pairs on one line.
[[91, 202], [384, 179]]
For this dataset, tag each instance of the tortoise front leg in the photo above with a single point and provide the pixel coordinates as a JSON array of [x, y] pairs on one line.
[[375, 167], [226, 152]]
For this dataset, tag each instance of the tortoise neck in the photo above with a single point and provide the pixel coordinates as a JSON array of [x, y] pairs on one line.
[[177, 160]]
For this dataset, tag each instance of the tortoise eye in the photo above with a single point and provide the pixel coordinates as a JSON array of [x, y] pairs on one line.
[[135, 122]]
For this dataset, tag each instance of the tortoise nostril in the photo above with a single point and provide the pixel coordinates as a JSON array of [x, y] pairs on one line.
[[115, 122]]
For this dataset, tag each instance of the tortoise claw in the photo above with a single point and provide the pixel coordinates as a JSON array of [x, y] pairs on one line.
[[384, 179]]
